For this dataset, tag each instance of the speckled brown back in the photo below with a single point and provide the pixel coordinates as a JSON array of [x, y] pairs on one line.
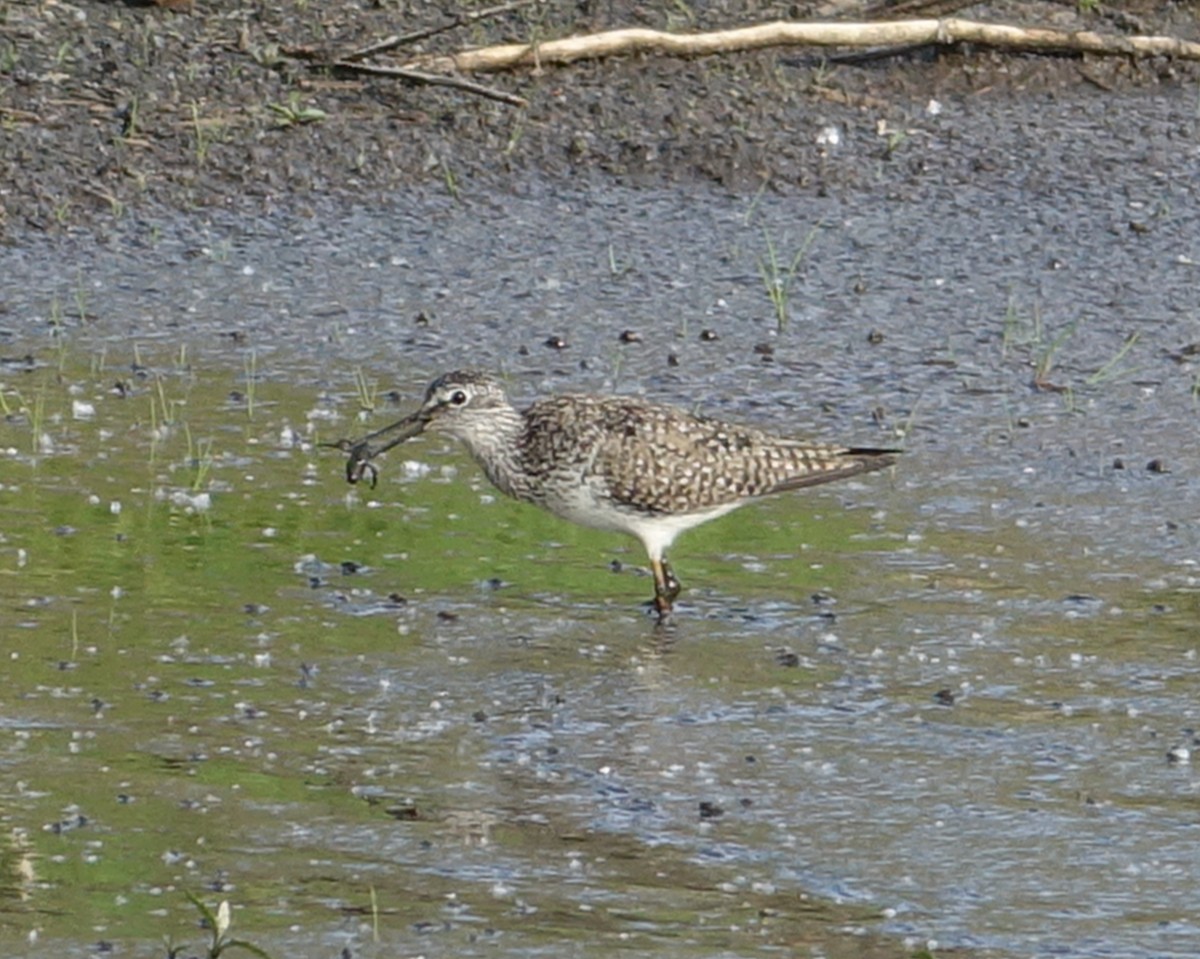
[[657, 459]]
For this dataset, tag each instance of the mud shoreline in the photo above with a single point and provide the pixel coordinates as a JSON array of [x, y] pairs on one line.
[[112, 110]]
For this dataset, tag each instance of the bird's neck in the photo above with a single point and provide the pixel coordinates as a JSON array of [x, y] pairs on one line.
[[495, 446]]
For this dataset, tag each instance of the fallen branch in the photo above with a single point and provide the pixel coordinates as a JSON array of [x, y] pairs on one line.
[[900, 33], [431, 80], [457, 21]]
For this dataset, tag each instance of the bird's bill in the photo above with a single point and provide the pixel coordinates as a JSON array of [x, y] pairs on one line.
[[362, 452]]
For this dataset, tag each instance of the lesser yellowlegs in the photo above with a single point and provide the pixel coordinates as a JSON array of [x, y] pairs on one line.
[[615, 462]]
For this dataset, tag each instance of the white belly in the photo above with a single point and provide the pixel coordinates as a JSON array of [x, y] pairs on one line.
[[580, 503]]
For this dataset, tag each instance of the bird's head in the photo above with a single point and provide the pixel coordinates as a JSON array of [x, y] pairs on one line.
[[464, 404]]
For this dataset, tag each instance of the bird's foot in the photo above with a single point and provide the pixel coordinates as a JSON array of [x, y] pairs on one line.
[[665, 610]]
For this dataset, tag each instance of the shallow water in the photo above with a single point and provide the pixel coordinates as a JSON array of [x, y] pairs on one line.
[[933, 706]]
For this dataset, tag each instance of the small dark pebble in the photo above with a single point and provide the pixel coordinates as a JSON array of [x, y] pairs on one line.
[[397, 599], [66, 825], [556, 342], [751, 759], [349, 567], [446, 616], [630, 336], [314, 582], [707, 336], [785, 657], [1158, 465], [1118, 464], [616, 566], [479, 716], [944, 697], [237, 396], [710, 810], [764, 349], [875, 337], [745, 802]]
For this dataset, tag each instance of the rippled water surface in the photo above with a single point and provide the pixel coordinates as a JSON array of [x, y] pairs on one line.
[[947, 707]]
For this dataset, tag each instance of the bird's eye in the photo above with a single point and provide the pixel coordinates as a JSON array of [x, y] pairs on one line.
[[458, 398]]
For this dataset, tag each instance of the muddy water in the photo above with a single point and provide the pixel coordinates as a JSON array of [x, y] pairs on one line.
[[931, 708]]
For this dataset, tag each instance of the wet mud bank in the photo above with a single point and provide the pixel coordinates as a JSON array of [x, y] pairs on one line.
[[116, 111]]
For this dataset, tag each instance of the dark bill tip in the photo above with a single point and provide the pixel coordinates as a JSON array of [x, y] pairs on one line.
[[361, 452]]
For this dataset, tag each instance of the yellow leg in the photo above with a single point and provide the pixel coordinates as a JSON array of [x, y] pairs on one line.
[[666, 587]]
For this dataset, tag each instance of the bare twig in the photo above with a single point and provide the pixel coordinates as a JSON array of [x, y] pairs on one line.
[[432, 80], [459, 19], [895, 33]]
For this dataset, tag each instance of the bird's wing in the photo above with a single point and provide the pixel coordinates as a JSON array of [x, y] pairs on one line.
[[658, 459]]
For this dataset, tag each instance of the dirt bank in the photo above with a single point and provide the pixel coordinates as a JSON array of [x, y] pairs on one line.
[[112, 110]]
